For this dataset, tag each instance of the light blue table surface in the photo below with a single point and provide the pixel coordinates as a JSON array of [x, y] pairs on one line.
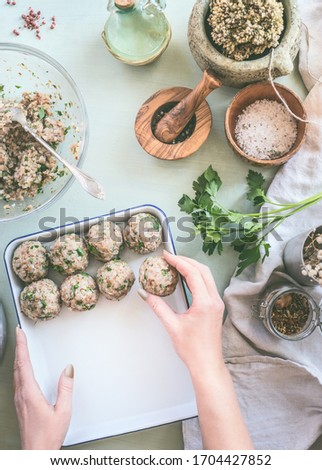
[[113, 93]]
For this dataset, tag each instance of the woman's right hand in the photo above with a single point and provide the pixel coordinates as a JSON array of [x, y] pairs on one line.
[[196, 333]]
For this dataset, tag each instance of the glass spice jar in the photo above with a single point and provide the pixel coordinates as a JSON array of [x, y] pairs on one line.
[[136, 32], [288, 312]]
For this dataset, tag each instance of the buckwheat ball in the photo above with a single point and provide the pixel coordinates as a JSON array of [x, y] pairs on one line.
[[40, 300], [143, 233], [115, 279], [69, 254], [30, 261], [104, 240], [157, 277], [79, 292]]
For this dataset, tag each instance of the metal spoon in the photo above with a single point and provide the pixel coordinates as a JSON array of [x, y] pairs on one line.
[[87, 182], [3, 331]]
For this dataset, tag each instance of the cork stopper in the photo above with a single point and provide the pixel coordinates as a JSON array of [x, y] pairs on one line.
[[124, 4]]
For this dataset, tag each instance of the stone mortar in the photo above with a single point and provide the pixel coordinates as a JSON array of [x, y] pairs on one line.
[[238, 74]]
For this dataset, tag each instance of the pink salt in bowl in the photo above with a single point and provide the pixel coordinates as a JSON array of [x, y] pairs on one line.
[[257, 92]]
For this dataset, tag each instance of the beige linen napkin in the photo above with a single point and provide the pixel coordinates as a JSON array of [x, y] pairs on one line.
[[310, 64], [278, 382]]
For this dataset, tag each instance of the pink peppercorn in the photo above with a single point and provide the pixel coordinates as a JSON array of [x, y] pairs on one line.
[[32, 20]]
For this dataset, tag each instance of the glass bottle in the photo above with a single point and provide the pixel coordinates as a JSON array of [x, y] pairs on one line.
[[136, 31]]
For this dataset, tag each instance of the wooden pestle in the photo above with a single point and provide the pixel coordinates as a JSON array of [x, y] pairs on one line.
[[170, 126]]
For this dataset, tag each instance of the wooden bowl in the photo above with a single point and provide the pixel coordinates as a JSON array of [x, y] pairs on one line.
[[260, 91], [158, 149]]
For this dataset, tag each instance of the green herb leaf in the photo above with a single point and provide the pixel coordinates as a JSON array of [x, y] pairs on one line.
[[1, 88], [208, 181], [93, 250], [186, 204], [75, 287], [266, 247], [245, 233], [247, 257], [256, 193], [155, 223], [41, 113], [42, 168]]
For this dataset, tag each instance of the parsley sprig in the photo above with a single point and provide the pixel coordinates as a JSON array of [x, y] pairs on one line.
[[245, 232]]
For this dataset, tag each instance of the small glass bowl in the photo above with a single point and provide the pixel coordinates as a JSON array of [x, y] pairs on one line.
[[264, 309], [26, 69]]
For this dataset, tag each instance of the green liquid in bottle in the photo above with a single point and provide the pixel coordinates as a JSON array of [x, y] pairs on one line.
[[137, 35]]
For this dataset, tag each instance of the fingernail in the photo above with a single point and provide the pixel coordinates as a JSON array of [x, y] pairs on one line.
[[165, 252], [69, 371], [17, 330], [143, 294]]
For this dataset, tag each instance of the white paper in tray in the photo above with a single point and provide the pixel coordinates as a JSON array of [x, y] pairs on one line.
[[127, 374]]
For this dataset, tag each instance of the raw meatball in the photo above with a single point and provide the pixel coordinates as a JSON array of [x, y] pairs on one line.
[[30, 261], [40, 300], [79, 292], [104, 240], [69, 254], [157, 277], [143, 233], [115, 279]]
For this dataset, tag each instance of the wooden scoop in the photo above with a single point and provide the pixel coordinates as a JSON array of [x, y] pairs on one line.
[[170, 126]]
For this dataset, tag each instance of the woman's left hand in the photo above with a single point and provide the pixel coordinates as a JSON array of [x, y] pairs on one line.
[[42, 425]]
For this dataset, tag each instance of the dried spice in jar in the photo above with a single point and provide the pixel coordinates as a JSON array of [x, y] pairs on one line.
[[290, 313]]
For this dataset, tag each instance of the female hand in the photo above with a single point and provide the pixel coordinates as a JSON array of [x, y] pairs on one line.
[[196, 333], [42, 426]]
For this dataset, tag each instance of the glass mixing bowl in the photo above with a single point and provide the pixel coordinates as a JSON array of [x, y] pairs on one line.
[[25, 69]]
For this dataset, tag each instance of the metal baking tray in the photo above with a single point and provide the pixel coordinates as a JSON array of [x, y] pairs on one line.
[[127, 374]]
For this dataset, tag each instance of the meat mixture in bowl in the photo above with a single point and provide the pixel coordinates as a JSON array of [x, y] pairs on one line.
[[25, 166]]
